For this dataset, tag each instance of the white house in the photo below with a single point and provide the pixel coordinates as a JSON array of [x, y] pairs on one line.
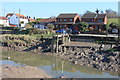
[[13, 17], [4, 21]]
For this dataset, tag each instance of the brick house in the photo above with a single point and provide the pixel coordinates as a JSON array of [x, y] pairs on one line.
[[66, 21], [97, 21], [42, 24]]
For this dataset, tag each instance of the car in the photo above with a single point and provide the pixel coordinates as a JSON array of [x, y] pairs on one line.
[[115, 31], [75, 32], [61, 31]]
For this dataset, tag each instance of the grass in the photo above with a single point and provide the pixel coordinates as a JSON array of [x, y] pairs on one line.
[[107, 42], [5, 30], [116, 20]]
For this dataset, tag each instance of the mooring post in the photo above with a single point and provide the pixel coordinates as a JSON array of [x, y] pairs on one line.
[[52, 45], [57, 44], [63, 38]]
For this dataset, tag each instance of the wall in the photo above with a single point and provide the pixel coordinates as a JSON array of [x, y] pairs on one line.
[[4, 22], [25, 22]]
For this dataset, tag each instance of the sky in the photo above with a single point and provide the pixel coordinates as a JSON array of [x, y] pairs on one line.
[[48, 9]]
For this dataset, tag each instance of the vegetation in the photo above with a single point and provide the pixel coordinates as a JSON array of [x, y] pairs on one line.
[[106, 27], [105, 42], [22, 22], [83, 26], [113, 20], [113, 25], [51, 26], [38, 19]]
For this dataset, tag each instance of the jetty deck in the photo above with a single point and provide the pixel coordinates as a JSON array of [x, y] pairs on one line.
[[75, 43], [95, 35]]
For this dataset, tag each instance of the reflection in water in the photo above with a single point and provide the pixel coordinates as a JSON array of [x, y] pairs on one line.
[[54, 66]]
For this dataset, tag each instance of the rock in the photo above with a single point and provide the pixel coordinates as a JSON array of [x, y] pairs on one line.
[[93, 49], [82, 54], [8, 58], [74, 62]]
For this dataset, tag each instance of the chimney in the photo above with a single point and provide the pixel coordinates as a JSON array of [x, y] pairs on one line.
[[97, 11]]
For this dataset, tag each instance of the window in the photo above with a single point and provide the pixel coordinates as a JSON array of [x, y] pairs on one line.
[[100, 20], [60, 19], [65, 20], [61, 26], [91, 20], [56, 26], [71, 19]]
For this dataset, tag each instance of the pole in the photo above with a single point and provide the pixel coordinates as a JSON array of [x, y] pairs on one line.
[[19, 17], [57, 45], [4, 20]]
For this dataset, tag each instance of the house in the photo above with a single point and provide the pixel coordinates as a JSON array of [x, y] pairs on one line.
[[18, 17], [4, 21], [31, 20], [67, 21], [96, 21], [42, 24]]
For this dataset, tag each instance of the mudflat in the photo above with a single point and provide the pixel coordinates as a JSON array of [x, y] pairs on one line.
[[11, 71]]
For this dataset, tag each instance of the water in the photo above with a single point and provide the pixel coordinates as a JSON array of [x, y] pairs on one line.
[[54, 66]]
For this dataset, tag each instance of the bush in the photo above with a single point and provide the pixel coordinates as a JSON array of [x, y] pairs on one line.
[[113, 25], [51, 26], [82, 26]]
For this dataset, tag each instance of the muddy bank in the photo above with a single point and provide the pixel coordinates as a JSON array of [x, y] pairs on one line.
[[92, 57], [101, 60], [10, 71], [24, 42]]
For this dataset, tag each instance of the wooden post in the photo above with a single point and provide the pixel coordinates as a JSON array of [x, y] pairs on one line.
[[62, 66], [63, 39], [52, 45], [57, 44]]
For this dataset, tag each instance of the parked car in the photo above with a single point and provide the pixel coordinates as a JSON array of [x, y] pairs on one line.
[[75, 32], [69, 30], [61, 31], [115, 31]]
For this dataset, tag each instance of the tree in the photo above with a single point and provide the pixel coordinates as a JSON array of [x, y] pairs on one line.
[[82, 26], [51, 26], [106, 27], [38, 19], [97, 11], [113, 25], [101, 12], [34, 18], [111, 13]]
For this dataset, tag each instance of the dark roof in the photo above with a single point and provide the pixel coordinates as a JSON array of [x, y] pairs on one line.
[[67, 15], [89, 16], [47, 20], [101, 15], [94, 16]]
